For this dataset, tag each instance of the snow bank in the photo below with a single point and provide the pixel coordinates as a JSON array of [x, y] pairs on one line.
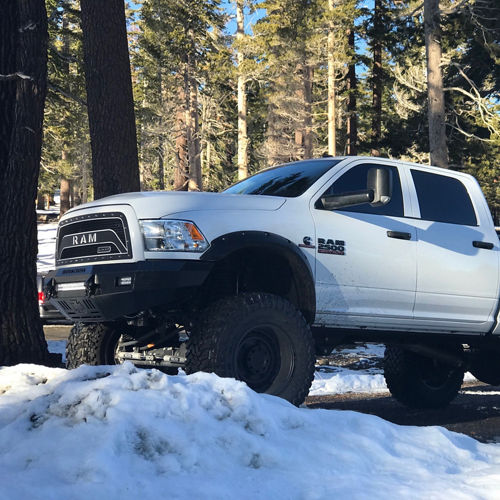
[[118, 432]]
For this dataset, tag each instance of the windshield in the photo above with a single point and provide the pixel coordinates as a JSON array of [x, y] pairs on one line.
[[289, 180]]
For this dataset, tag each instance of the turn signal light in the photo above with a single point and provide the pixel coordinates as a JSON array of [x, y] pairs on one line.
[[194, 232]]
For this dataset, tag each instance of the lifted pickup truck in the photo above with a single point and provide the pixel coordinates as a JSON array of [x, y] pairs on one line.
[[255, 281]]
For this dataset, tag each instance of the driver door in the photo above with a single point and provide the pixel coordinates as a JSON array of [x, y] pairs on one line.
[[365, 256]]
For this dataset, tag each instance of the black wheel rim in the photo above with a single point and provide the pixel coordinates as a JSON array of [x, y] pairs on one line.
[[435, 375], [258, 357], [114, 347]]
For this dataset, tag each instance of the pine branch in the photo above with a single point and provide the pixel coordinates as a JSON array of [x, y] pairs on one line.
[[68, 95]]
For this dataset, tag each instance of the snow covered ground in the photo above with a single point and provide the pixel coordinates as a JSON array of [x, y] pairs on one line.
[[119, 433], [46, 247], [367, 377]]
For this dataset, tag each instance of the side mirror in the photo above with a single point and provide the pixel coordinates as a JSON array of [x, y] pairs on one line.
[[379, 181], [378, 192], [344, 200]]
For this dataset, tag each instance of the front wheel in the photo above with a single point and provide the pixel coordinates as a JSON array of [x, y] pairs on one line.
[[258, 338], [92, 344], [418, 381]]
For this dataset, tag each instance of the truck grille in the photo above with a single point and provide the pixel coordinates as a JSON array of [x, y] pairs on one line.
[[95, 237]]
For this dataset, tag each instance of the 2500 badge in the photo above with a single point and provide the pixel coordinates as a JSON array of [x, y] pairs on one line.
[[334, 247]]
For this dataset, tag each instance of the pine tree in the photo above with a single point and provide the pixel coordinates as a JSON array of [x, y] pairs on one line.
[[23, 73], [178, 37], [435, 93], [109, 96], [242, 98], [65, 153]]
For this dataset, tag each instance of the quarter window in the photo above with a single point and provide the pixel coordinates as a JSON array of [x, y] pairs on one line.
[[355, 180], [443, 199]]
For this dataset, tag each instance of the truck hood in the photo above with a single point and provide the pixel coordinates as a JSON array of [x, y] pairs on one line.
[[156, 204]]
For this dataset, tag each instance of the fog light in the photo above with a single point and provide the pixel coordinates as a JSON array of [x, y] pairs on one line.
[[127, 280], [70, 287]]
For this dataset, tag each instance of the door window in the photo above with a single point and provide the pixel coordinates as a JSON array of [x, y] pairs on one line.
[[443, 199], [355, 180]]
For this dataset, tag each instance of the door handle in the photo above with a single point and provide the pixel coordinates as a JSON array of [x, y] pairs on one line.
[[399, 235], [483, 244]]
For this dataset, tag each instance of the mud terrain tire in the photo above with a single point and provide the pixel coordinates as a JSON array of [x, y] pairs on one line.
[[91, 344], [259, 338], [417, 381]]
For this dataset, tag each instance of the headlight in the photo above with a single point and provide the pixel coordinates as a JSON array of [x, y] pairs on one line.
[[172, 236]]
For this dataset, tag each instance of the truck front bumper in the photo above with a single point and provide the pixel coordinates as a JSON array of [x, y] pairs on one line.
[[105, 292]]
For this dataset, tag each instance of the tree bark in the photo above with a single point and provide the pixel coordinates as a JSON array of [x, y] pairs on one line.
[[181, 170], [332, 135], [76, 191], [242, 98], [64, 197], [352, 84], [109, 97], [40, 201], [161, 149], [194, 145], [308, 132], [23, 55], [192, 122], [377, 76], [85, 183], [435, 94]]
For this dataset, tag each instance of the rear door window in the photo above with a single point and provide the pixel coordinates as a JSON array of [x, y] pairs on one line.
[[443, 199]]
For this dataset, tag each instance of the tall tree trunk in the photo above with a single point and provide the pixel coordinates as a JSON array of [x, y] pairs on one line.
[[64, 199], [64, 196], [85, 182], [194, 148], [161, 164], [332, 135], [109, 97], [161, 149], [308, 132], [23, 66], [242, 98], [192, 122], [377, 75], [40, 201], [352, 85], [76, 193], [435, 94], [303, 132], [181, 170]]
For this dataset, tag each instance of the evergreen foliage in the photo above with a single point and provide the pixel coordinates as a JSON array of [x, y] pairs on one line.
[[185, 86]]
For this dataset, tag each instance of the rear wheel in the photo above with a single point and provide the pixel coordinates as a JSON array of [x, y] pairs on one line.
[[485, 365], [258, 338], [418, 381]]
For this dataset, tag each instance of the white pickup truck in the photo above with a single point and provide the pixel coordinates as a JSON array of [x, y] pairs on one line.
[[255, 281]]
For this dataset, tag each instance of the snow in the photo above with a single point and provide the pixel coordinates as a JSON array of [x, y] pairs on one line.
[[46, 247], [118, 432], [346, 381]]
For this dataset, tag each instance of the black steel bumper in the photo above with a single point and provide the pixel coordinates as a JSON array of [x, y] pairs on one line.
[[106, 292]]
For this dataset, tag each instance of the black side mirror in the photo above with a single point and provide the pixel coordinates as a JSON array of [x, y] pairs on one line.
[[379, 180], [378, 192]]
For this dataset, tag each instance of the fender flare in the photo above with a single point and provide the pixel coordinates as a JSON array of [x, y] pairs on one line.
[[303, 277]]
